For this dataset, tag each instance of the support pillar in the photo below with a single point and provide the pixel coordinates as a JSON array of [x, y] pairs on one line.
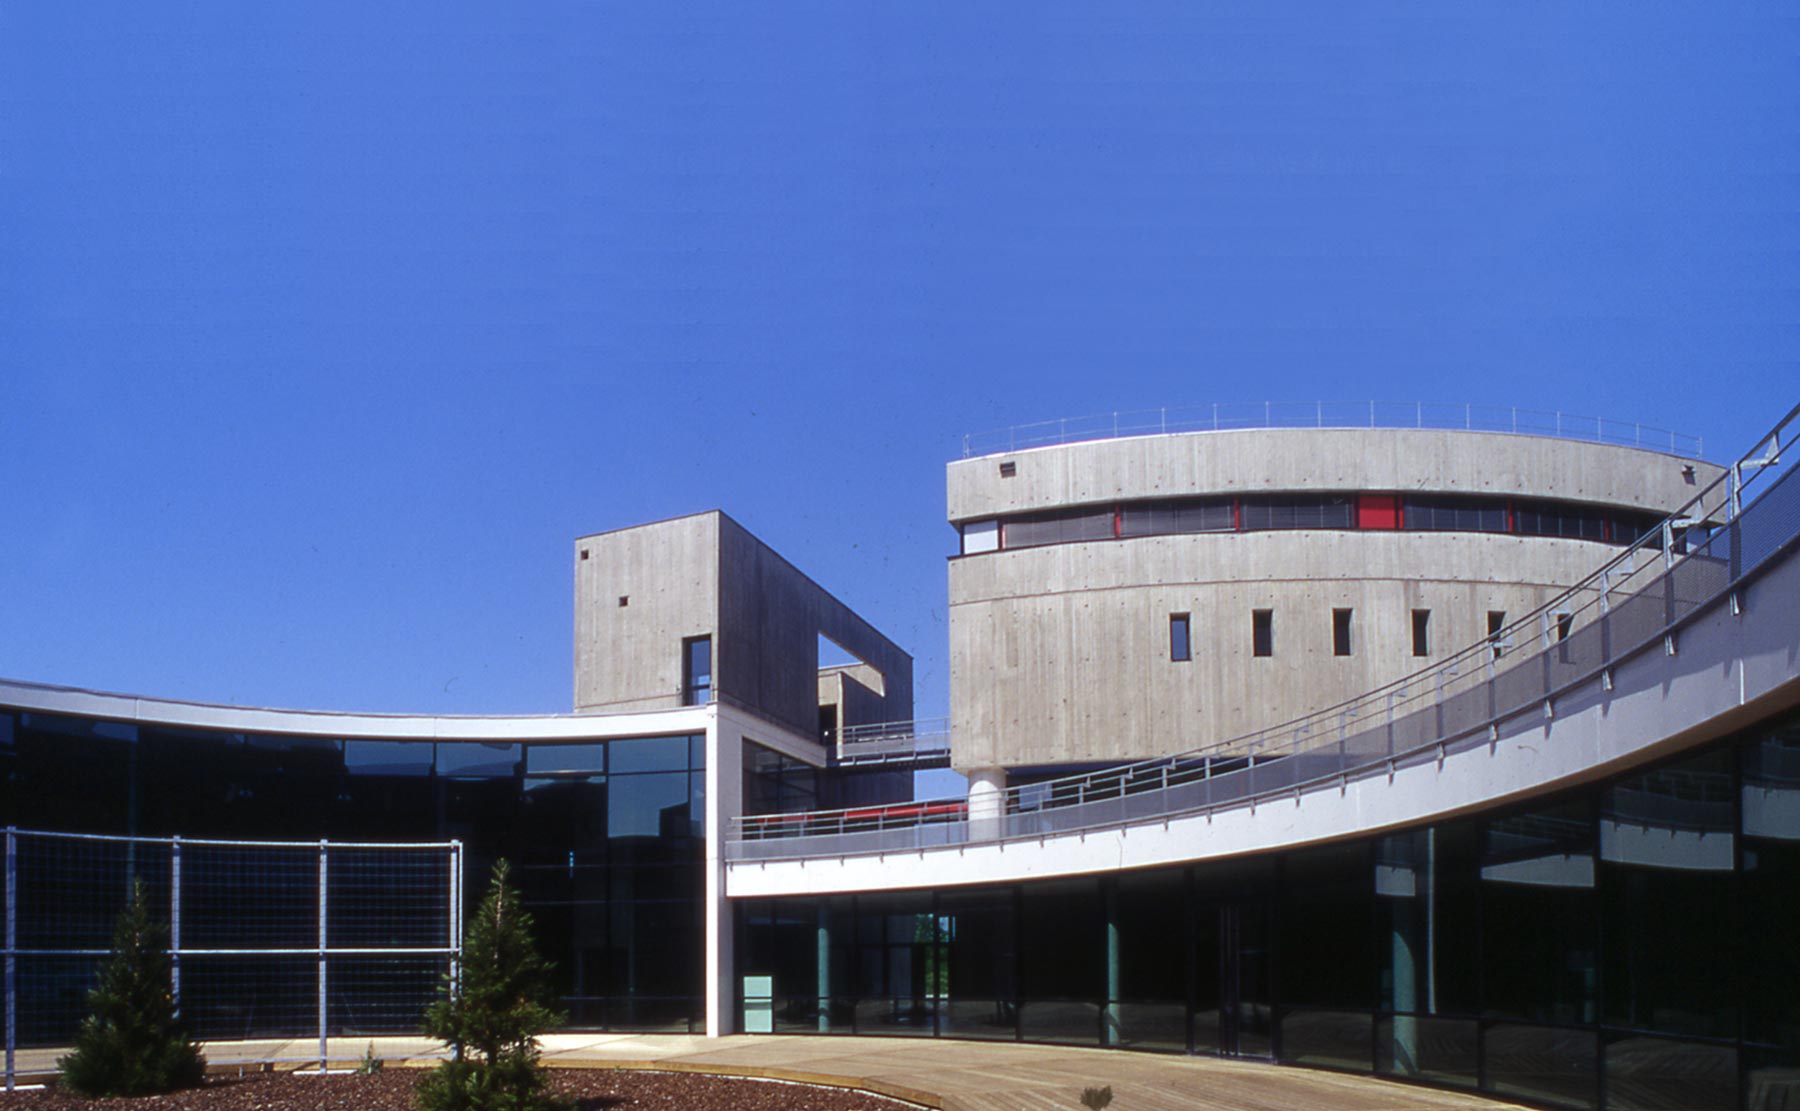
[[724, 800], [824, 955], [1109, 1020], [987, 803]]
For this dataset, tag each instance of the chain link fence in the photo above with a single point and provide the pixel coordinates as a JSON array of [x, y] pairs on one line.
[[269, 940]]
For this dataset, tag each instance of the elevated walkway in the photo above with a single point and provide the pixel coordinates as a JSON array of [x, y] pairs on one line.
[[1680, 638]]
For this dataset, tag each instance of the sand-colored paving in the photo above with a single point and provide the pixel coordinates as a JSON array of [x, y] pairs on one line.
[[943, 1073]]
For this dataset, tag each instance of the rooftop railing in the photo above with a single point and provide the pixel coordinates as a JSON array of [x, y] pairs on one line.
[[1332, 414], [1636, 602]]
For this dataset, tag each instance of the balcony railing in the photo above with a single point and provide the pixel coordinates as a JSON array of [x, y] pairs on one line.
[[1636, 602], [922, 743], [1332, 414]]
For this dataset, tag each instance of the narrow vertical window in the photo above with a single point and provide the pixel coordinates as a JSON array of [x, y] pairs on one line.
[[1565, 624], [1180, 647], [1496, 622], [1340, 632], [1262, 632], [696, 671], [1421, 632]]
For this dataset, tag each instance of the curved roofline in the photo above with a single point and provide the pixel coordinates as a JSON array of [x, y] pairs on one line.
[[1246, 416], [142, 709]]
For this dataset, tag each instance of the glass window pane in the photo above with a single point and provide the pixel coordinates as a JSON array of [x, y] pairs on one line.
[[696, 671], [1543, 1064], [388, 757], [540, 759], [1668, 855], [1539, 916], [1651, 1074], [1771, 889], [561, 817], [1063, 527], [648, 806], [648, 754], [477, 758], [1331, 968]]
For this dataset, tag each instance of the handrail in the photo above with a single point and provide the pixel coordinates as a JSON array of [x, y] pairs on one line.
[[1332, 414], [925, 741], [886, 730], [1639, 595]]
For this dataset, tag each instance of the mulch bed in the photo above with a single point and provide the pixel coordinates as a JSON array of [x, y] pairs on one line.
[[392, 1090]]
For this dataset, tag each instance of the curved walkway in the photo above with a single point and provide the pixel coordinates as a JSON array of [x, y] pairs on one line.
[[1004, 1076], [940, 1073]]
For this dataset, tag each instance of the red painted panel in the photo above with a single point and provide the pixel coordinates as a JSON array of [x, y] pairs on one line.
[[1378, 511]]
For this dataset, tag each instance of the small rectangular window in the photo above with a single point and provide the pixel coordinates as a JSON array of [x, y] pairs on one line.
[[1496, 622], [1565, 624], [696, 671], [1421, 632], [1066, 526], [1262, 632], [1180, 648], [1340, 632], [980, 536]]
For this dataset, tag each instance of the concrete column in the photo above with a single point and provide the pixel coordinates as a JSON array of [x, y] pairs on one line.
[[987, 803], [724, 801], [1406, 990], [1410, 943], [1110, 1020], [824, 978]]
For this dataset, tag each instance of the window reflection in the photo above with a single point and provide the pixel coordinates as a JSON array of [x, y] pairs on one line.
[[387, 757], [543, 759], [477, 758], [648, 806], [648, 754]]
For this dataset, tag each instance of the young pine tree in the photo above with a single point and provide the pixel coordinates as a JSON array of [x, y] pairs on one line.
[[491, 1022], [132, 1042]]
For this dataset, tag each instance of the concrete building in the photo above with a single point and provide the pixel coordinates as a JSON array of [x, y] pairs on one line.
[[1232, 793], [695, 609], [1125, 598]]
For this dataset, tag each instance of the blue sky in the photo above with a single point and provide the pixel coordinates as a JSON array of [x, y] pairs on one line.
[[325, 328]]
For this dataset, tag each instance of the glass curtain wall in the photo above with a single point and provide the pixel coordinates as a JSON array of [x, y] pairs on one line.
[[606, 837], [1627, 946]]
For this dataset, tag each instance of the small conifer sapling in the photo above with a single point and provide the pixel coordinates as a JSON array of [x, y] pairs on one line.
[[491, 1019], [132, 1042]]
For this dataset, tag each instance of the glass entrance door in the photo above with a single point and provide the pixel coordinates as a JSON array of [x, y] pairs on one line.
[[1233, 1003]]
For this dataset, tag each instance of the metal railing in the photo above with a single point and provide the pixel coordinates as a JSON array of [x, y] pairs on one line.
[[1332, 414], [925, 741], [1637, 601], [267, 939]]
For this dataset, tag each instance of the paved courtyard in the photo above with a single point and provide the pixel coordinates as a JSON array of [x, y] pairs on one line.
[[952, 1075]]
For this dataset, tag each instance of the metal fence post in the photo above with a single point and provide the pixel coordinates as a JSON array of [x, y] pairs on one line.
[[12, 944], [323, 876], [455, 916], [175, 921]]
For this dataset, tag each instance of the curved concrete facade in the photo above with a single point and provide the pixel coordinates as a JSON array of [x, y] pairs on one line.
[[1061, 653], [1281, 459], [1736, 664]]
